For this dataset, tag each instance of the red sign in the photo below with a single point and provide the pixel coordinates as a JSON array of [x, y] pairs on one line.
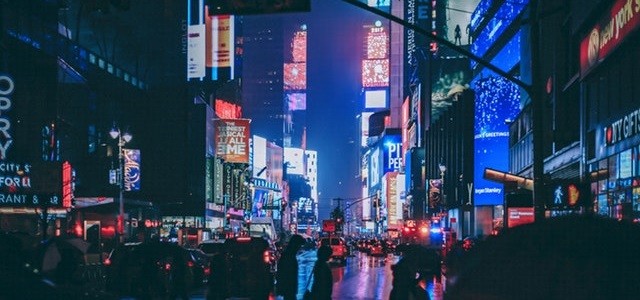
[[232, 140], [622, 19], [67, 181], [328, 226], [520, 216]]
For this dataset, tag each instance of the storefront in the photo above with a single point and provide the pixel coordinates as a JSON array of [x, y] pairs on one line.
[[609, 64]]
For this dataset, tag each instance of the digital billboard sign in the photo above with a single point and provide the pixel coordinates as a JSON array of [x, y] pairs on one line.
[[497, 100], [294, 158], [232, 140], [375, 99], [375, 72], [392, 153], [295, 76]]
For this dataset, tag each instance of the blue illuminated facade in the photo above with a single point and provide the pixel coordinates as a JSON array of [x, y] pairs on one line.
[[497, 100]]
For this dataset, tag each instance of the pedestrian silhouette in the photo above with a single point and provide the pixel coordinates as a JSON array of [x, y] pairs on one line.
[[287, 276], [570, 257], [468, 30], [322, 285], [415, 259], [458, 36]]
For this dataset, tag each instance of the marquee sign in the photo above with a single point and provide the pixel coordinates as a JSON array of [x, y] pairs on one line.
[[622, 19]]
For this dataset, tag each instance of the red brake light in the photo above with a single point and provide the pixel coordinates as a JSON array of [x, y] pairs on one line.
[[207, 271], [243, 239], [107, 262], [266, 257], [190, 264], [167, 267]]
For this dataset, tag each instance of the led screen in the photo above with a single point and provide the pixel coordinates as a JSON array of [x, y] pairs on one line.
[[297, 101], [458, 21], [365, 127], [259, 157], [375, 73], [295, 76], [377, 43], [299, 46], [507, 12], [294, 158], [375, 170], [496, 101], [375, 99], [392, 153]]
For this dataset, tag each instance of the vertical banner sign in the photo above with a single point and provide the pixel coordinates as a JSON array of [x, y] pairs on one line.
[[222, 41], [196, 51], [218, 186], [131, 170], [67, 182], [6, 89], [232, 140], [392, 199], [208, 180]]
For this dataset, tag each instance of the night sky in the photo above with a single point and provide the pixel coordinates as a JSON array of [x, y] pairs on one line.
[[335, 45]]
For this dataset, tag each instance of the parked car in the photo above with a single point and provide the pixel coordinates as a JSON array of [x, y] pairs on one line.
[[152, 269], [338, 248]]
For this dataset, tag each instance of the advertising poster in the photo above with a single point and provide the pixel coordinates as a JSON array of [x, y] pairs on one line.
[[131, 169], [232, 140], [519, 216], [294, 158], [392, 151], [392, 199], [221, 41], [497, 100], [435, 195], [196, 51]]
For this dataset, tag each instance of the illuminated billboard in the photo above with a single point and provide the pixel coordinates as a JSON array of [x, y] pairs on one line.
[[377, 43], [364, 127], [392, 153], [259, 157], [210, 42], [375, 73], [226, 110], [497, 100], [375, 170], [295, 76], [297, 101], [232, 140], [299, 46], [131, 169], [375, 99], [294, 158]]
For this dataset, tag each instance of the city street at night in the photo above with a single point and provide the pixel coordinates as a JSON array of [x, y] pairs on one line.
[[393, 149]]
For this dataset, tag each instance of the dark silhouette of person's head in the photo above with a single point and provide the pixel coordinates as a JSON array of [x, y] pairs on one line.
[[572, 257], [324, 252], [295, 243]]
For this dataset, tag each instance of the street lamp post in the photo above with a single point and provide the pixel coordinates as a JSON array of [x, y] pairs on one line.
[[123, 138], [443, 169]]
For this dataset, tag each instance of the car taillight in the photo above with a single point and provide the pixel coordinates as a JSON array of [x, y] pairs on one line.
[[107, 262], [207, 271], [167, 267], [266, 257], [190, 264]]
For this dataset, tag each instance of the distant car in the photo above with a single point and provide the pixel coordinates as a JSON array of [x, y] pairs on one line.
[[338, 248], [376, 249]]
